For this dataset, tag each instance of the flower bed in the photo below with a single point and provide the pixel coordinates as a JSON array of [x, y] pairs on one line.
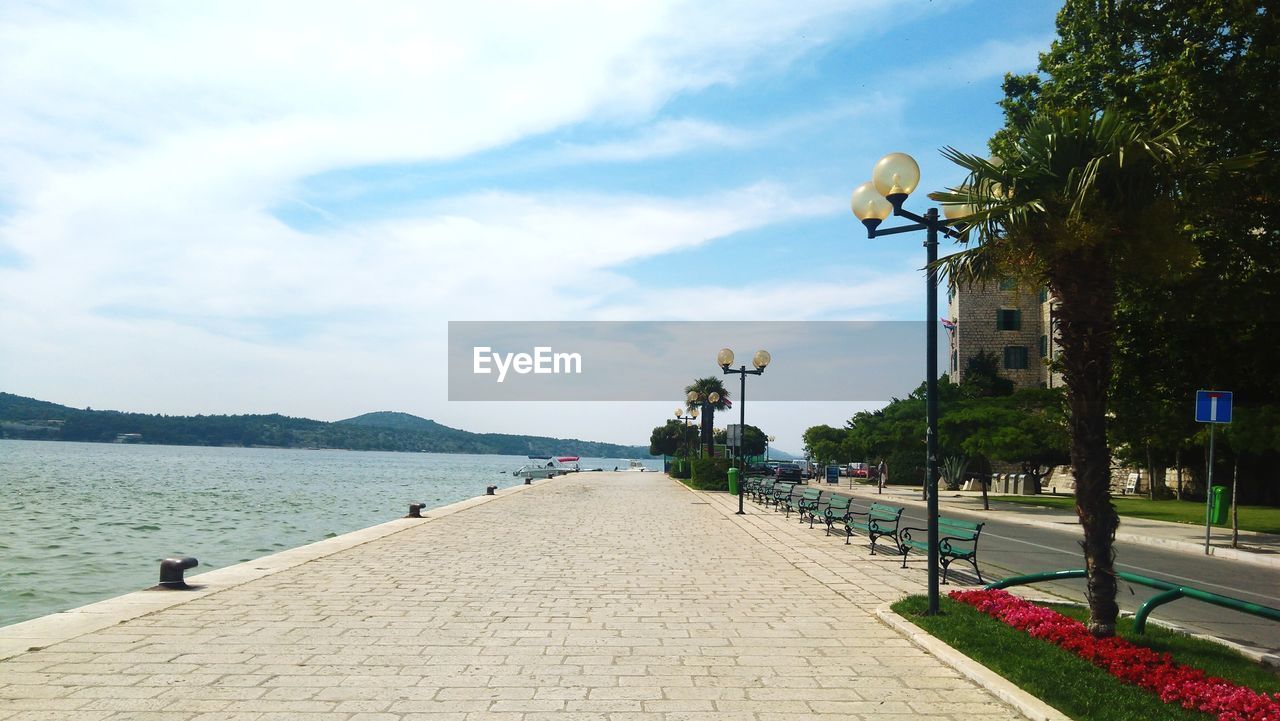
[[1133, 664]]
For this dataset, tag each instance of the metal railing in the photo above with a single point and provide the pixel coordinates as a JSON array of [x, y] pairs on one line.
[[1171, 592]]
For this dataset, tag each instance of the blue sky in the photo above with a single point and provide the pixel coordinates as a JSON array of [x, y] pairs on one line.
[[246, 208]]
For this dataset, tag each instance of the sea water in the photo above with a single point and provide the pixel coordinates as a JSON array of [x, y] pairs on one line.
[[80, 522]]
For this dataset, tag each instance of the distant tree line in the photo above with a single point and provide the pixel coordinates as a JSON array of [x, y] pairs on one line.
[[33, 419]]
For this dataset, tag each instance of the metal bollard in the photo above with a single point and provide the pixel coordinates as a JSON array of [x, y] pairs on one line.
[[490, 490], [528, 481], [415, 510], [171, 571]]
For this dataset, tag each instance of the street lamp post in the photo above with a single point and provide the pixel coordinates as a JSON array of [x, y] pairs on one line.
[[680, 416], [760, 361], [767, 441], [892, 180]]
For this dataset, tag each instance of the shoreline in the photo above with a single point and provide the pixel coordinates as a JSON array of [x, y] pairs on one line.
[[40, 632], [645, 457]]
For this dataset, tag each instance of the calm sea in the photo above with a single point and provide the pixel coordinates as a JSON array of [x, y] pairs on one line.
[[80, 522]]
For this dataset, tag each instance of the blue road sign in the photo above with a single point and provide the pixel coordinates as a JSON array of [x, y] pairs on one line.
[[1213, 406]]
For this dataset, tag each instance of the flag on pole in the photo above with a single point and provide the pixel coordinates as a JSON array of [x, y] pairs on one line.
[[948, 323]]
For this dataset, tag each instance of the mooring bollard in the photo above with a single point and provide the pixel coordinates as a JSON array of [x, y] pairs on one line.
[[171, 571], [490, 490], [415, 510], [528, 481]]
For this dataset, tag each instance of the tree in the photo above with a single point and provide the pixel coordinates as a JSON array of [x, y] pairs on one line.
[[1028, 428], [896, 433], [819, 442], [1209, 66], [1080, 198], [982, 376], [666, 439], [753, 440], [704, 387]]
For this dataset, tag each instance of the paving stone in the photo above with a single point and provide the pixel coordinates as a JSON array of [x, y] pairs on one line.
[[617, 596]]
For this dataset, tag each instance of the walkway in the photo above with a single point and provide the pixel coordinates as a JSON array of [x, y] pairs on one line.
[[599, 596]]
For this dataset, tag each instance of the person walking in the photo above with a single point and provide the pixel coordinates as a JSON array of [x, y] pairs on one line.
[[882, 475]]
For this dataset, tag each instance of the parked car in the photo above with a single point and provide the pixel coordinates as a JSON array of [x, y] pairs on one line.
[[760, 469], [859, 470], [788, 472]]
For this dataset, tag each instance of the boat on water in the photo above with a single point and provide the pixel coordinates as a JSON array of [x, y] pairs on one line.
[[637, 466], [547, 467]]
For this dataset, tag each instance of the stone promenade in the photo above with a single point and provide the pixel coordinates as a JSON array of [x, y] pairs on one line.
[[597, 596]]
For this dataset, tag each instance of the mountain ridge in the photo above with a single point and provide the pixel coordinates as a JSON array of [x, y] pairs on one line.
[[31, 418]]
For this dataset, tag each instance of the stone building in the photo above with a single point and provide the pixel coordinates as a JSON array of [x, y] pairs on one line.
[[1009, 321]]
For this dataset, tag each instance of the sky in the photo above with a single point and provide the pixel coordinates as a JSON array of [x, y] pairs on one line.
[[246, 207]]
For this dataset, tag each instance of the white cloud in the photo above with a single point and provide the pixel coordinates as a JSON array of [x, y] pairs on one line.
[[146, 142], [665, 138], [983, 62]]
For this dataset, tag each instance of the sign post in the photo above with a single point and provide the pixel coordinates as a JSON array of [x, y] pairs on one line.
[[1212, 407]]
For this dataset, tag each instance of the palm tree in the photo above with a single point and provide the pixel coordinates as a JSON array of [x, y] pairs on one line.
[[1082, 198], [703, 388]]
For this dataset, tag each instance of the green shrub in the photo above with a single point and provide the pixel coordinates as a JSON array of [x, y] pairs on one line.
[[681, 468], [710, 474]]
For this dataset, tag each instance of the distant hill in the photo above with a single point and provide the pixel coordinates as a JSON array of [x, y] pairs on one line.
[[383, 431], [398, 421]]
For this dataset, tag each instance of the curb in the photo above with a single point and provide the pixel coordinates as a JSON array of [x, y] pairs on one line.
[[995, 684], [39, 633]]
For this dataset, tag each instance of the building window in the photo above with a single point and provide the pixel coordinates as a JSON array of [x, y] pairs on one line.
[[1044, 346], [1015, 357], [1008, 284], [1008, 319], [955, 362], [1044, 295]]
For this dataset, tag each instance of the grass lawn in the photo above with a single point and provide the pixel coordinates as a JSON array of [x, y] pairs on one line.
[[1070, 684], [1264, 519]]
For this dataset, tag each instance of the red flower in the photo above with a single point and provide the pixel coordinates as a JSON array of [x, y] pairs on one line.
[[1136, 665]]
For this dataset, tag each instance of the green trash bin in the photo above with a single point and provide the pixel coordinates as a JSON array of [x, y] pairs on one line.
[[733, 481], [1218, 505]]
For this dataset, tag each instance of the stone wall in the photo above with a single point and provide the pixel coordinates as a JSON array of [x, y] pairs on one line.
[[975, 311]]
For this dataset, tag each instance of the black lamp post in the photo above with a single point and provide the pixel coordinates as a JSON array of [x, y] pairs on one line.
[[680, 416], [760, 360], [892, 180]]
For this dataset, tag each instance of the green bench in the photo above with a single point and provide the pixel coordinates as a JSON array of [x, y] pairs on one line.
[[878, 520], [762, 490], [750, 485], [836, 511], [804, 504], [957, 541], [781, 494]]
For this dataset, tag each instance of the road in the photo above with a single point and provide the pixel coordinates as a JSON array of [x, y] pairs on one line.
[[1009, 549]]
